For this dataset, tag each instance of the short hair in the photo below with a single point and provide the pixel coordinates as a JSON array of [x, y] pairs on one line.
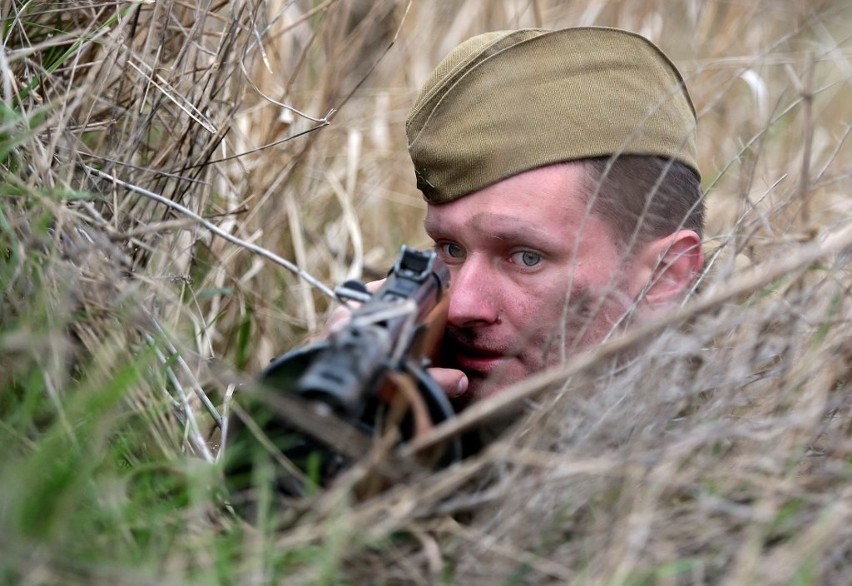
[[644, 198]]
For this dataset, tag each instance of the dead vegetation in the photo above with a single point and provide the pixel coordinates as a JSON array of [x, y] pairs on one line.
[[722, 454]]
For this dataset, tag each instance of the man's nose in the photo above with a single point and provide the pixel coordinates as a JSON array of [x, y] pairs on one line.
[[472, 297]]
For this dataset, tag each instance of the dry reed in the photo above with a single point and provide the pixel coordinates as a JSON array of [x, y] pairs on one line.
[[722, 454]]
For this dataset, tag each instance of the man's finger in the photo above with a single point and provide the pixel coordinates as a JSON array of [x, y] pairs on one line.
[[453, 382]]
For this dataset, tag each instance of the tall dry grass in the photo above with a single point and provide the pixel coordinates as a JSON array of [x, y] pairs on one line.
[[164, 161]]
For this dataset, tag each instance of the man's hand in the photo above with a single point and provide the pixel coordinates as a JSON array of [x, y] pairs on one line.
[[453, 382]]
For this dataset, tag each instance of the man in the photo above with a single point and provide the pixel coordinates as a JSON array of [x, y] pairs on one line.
[[562, 190], [563, 193]]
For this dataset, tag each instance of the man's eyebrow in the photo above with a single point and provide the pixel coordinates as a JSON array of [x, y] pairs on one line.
[[518, 233], [430, 225]]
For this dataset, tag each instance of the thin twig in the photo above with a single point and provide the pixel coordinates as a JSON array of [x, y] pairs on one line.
[[199, 392], [195, 437], [271, 256], [806, 92]]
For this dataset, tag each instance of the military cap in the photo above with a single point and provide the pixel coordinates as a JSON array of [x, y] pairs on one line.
[[506, 102]]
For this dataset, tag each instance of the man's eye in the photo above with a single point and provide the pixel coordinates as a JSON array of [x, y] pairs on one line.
[[452, 250], [526, 258]]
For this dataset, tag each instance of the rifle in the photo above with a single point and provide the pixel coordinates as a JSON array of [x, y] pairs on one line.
[[323, 405]]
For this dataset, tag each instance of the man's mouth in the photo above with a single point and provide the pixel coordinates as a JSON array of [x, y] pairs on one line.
[[478, 360]]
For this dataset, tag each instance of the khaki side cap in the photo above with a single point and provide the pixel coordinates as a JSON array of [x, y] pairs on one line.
[[506, 102]]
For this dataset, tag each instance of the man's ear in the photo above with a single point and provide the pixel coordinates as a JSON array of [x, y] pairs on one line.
[[665, 269]]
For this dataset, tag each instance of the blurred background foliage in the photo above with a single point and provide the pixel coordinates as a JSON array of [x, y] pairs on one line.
[[280, 122]]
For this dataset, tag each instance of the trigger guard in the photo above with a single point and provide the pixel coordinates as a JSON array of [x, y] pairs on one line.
[[440, 409]]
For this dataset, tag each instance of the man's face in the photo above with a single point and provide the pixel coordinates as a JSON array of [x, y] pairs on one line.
[[534, 276]]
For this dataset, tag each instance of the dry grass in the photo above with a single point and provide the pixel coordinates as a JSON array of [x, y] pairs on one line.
[[722, 454]]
